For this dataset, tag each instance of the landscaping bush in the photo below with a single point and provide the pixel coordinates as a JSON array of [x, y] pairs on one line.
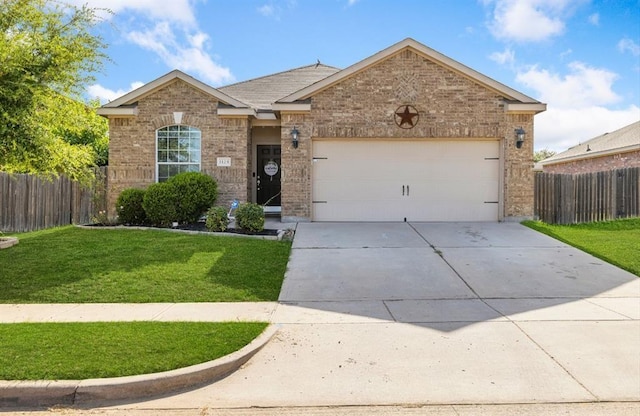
[[160, 202], [217, 219], [197, 193], [129, 207], [250, 217]]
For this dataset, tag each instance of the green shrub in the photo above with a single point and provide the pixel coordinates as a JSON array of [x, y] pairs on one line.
[[250, 217], [197, 193], [217, 219], [160, 202], [129, 207]]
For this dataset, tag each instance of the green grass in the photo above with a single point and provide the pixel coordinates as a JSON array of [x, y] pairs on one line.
[[71, 264], [76, 351], [617, 242]]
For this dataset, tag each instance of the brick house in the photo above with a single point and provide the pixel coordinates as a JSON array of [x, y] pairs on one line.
[[407, 134], [615, 150]]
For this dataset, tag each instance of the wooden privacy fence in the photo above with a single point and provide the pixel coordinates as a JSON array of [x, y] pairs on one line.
[[29, 202], [586, 197]]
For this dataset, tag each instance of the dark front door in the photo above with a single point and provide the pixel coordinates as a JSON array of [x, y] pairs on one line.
[[268, 175]]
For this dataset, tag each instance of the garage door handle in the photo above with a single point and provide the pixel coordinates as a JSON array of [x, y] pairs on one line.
[[402, 190], [407, 190]]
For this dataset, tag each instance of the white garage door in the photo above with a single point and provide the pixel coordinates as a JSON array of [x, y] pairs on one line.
[[406, 180]]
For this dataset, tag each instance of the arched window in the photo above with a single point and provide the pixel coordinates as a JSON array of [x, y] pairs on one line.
[[177, 150]]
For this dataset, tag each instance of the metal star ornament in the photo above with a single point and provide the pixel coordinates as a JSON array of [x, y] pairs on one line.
[[406, 116]]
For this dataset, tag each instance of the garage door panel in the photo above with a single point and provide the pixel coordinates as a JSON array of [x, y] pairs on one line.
[[417, 180], [444, 211], [356, 211], [352, 189]]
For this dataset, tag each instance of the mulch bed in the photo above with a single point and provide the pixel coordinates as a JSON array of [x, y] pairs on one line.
[[200, 226]]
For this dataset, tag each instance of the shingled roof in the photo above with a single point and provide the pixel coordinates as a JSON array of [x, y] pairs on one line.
[[625, 139], [261, 92]]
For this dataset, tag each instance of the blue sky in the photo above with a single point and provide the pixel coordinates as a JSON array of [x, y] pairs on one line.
[[581, 57]]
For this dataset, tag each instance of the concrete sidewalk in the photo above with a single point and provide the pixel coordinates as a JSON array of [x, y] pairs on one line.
[[418, 315], [123, 312]]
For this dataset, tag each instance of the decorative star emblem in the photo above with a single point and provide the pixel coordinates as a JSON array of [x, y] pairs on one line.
[[406, 116]]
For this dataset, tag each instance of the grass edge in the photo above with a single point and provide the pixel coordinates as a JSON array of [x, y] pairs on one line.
[[541, 227]]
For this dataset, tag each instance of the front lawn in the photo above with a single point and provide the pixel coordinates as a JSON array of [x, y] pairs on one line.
[[76, 351], [617, 242], [71, 264]]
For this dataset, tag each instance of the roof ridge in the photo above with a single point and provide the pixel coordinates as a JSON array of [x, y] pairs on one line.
[[615, 133], [280, 73]]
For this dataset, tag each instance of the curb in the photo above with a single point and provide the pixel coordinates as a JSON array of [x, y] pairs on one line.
[[38, 393]]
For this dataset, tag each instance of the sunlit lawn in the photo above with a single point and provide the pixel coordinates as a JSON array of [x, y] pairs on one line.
[[617, 242], [71, 264]]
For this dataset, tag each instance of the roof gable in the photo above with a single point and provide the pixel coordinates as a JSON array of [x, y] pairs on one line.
[[149, 88], [431, 54]]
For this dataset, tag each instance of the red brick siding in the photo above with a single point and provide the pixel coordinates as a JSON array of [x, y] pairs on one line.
[[597, 164], [132, 144]]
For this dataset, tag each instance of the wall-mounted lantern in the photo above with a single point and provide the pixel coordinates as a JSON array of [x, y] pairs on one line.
[[520, 133], [294, 137]]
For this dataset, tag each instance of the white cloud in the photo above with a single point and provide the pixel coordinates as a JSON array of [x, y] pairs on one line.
[[582, 87], [628, 45], [507, 57], [577, 105], [181, 11], [594, 19], [566, 53], [105, 94], [188, 54], [528, 20], [267, 10], [560, 128]]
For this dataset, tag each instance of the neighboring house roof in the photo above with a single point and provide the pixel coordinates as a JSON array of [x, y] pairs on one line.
[[520, 101], [622, 140], [261, 92]]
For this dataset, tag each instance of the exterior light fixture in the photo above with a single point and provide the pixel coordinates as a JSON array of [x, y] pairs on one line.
[[519, 137], [294, 137]]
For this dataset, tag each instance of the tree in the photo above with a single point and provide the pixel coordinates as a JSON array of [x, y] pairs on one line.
[[47, 54], [539, 155], [78, 124]]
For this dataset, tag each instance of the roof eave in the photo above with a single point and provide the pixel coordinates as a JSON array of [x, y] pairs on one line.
[[531, 108], [591, 154], [294, 107], [117, 112], [235, 112]]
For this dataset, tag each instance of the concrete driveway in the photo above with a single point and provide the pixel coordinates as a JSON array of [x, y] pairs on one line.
[[434, 313]]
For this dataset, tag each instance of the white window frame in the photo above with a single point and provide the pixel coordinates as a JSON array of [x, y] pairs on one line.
[[179, 143]]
